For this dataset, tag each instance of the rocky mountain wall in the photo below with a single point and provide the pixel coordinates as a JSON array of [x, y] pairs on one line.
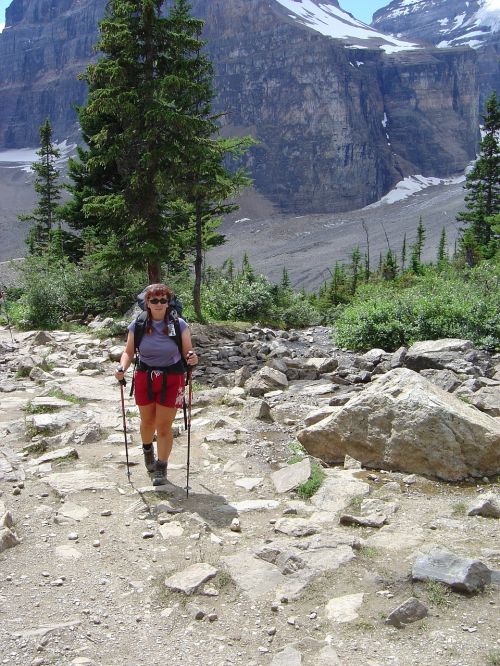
[[450, 23], [337, 127]]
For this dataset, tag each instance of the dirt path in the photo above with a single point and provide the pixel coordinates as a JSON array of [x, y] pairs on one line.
[[86, 583]]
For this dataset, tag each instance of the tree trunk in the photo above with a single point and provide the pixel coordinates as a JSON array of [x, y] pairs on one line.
[[153, 272], [198, 263]]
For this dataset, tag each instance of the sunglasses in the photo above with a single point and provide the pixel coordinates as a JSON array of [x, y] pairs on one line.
[[155, 301]]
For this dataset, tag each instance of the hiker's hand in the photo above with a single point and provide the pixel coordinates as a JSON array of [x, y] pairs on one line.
[[191, 358], [120, 373]]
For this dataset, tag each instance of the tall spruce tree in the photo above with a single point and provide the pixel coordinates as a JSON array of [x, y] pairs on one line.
[[482, 200], [417, 248], [148, 129], [45, 215], [389, 266], [206, 183], [355, 267], [442, 255]]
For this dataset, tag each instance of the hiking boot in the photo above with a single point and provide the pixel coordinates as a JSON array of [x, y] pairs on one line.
[[149, 458], [160, 475]]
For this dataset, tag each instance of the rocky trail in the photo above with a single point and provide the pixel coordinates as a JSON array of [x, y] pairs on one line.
[[385, 565]]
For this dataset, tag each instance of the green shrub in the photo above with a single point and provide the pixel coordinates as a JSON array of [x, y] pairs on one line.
[[299, 313], [434, 305], [56, 291], [243, 298], [312, 485]]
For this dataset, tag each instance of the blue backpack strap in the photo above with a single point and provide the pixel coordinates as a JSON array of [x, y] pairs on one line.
[[178, 339], [178, 335], [139, 330]]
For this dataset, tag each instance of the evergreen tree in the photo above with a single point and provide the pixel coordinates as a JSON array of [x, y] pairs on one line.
[[441, 253], [389, 266], [45, 215], [337, 291], [228, 265], [247, 269], [285, 284], [355, 269], [482, 200], [403, 253], [417, 249], [151, 162], [206, 183]]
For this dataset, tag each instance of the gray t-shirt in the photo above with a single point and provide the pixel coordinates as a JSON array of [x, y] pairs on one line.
[[158, 349]]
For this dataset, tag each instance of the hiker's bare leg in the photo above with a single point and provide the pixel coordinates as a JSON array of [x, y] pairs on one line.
[[148, 422], [164, 437]]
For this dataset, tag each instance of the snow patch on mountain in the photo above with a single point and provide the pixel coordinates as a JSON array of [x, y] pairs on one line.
[[332, 21], [23, 158], [467, 24], [411, 185]]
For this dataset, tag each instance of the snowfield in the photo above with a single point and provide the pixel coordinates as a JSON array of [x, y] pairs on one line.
[[331, 21]]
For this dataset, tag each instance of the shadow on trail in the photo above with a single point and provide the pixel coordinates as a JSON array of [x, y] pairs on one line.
[[210, 506]]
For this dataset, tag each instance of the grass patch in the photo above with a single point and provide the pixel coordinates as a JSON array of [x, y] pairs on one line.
[[32, 431], [369, 551], [297, 451], [458, 509], [36, 448], [46, 366], [437, 593], [222, 580], [312, 485], [493, 658], [58, 393], [355, 504], [39, 409], [363, 625], [73, 327], [198, 386], [22, 373]]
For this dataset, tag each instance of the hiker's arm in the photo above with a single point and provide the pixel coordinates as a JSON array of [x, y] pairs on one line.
[[187, 348], [126, 357]]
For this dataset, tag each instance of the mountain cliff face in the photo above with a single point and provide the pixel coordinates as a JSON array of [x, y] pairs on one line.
[[43, 48], [341, 111], [450, 23]]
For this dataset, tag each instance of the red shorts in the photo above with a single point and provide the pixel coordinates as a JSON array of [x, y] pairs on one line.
[[174, 394]]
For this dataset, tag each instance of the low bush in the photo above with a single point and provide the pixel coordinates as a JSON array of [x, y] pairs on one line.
[[434, 305], [57, 291]]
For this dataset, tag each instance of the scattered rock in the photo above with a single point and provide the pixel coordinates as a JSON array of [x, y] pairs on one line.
[[409, 611], [189, 580], [351, 463], [296, 527], [487, 506], [460, 573], [289, 477], [345, 608], [8, 539]]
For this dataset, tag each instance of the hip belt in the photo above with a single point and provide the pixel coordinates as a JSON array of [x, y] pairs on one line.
[[173, 369]]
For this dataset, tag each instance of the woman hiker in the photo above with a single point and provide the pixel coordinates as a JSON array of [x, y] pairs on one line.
[[159, 376]]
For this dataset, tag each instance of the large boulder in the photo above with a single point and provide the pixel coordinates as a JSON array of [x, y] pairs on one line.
[[266, 379], [450, 354], [403, 422]]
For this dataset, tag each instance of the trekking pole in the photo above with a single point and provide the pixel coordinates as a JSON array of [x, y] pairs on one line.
[[4, 300], [123, 383], [190, 400]]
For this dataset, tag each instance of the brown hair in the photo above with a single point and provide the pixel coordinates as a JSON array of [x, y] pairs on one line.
[[157, 291]]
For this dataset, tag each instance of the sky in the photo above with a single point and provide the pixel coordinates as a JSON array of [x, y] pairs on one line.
[[360, 9]]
